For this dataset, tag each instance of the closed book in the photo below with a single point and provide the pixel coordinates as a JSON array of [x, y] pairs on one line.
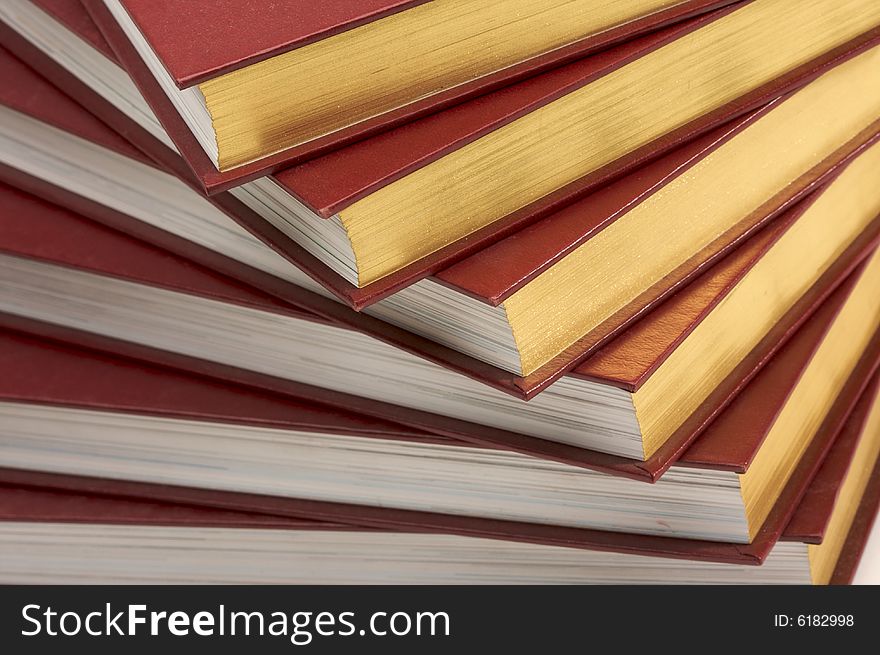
[[364, 79], [32, 403], [60, 41], [585, 418]]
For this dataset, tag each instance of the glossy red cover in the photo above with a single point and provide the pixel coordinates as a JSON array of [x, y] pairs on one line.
[[43, 231], [383, 518], [205, 39]]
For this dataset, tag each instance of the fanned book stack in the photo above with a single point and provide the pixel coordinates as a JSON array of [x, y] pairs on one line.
[[396, 291]]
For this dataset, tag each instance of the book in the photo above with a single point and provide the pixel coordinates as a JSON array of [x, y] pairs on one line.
[[489, 191], [412, 306], [115, 518], [612, 389], [233, 92], [585, 418]]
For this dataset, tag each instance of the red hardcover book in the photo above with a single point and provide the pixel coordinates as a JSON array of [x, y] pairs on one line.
[[49, 233], [810, 523], [446, 55], [85, 381], [249, 34]]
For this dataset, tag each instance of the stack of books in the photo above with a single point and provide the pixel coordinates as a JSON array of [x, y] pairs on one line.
[[397, 291]]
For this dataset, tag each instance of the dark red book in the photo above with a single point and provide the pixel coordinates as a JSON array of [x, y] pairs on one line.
[[644, 353], [46, 233], [74, 16]]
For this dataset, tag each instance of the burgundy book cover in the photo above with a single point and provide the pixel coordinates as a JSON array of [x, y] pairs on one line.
[[217, 37], [28, 93], [69, 499], [208, 39], [814, 511], [496, 261], [662, 339], [213, 180], [33, 504], [57, 110], [27, 501], [489, 276], [104, 386], [38, 229]]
